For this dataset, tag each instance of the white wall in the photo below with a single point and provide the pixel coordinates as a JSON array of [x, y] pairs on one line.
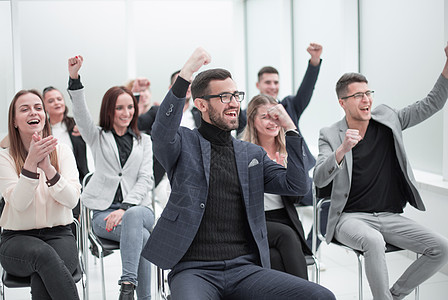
[[333, 24], [119, 40], [269, 42], [402, 55], [6, 65]]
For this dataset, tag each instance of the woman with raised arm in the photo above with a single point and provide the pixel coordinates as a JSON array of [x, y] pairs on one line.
[[119, 192], [287, 245], [39, 182]]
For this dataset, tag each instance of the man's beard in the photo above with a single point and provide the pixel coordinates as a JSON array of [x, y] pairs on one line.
[[219, 122]]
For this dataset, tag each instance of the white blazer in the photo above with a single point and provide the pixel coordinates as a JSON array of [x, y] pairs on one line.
[[135, 176]]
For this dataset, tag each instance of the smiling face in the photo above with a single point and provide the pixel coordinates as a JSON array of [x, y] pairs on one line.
[[263, 124], [269, 84], [357, 110], [222, 115], [29, 115], [124, 112], [54, 104]]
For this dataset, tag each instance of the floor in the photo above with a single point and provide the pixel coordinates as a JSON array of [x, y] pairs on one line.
[[340, 275]]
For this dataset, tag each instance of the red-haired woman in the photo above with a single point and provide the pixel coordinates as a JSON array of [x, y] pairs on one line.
[[119, 192]]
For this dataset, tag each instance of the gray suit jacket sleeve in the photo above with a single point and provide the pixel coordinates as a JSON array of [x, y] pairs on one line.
[[421, 110]]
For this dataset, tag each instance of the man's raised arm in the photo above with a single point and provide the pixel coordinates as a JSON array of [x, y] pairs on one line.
[[166, 141]]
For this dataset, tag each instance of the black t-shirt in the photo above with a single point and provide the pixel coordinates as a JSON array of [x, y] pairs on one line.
[[378, 184]]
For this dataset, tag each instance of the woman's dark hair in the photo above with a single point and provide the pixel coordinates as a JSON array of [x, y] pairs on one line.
[[107, 111]]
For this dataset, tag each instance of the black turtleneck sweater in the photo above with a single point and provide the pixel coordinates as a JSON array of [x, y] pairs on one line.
[[224, 231]]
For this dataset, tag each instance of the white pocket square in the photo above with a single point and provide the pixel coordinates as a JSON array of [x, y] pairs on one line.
[[253, 162]]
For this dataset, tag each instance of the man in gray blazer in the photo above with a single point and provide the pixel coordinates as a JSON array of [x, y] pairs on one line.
[[363, 156], [212, 232]]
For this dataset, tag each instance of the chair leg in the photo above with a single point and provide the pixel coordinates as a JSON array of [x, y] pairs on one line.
[[161, 284], [317, 269], [2, 287], [103, 279], [85, 250], [360, 291], [162, 293]]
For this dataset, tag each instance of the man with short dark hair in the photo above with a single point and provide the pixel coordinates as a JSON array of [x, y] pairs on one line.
[[269, 84], [212, 232], [363, 156]]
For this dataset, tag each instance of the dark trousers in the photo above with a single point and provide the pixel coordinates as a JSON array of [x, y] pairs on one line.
[[48, 255], [239, 278], [285, 250]]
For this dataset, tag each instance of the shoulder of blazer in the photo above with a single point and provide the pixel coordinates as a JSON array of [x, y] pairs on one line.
[[383, 111], [335, 128]]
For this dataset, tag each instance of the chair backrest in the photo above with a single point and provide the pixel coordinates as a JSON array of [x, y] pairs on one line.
[[323, 196]]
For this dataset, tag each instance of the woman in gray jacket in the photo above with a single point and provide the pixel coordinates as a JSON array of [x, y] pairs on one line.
[[119, 192]]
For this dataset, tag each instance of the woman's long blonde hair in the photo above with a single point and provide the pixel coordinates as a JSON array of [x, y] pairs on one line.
[[250, 134], [16, 147]]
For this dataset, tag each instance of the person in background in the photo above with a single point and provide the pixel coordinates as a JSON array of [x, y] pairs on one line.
[[140, 88], [64, 129], [287, 245], [119, 192], [40, 185], [269, 84]]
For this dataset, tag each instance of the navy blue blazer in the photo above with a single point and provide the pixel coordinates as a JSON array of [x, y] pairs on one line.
[[185, 155]]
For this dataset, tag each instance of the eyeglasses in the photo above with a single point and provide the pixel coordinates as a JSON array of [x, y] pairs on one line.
[[359, 96], [226, 97]]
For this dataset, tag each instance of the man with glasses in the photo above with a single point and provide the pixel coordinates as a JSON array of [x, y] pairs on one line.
[[363, 156], [212, 232]]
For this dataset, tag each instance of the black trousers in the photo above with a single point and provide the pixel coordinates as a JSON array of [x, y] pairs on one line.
[[48, 255]]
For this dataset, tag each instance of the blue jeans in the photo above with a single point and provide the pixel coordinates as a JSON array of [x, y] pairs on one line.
[[132, 233], [239, 278], [369, 232], [48, 255]]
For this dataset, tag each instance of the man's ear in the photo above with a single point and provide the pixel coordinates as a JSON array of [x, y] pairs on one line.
[[341, 103], [258, 85], [200, 104]]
